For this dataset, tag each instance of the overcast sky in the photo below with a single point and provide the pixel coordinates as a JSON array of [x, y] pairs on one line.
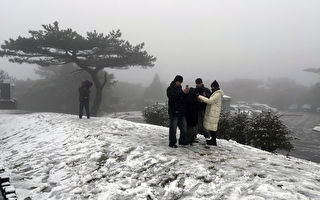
[[211, 39]]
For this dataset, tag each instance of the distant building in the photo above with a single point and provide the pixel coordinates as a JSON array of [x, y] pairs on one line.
[[253, 109], [306, 107], [263, 107], [6, 102], [293, 107], [226, 103]]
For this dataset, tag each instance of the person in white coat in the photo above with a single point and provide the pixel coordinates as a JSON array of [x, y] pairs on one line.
[[213, 110]]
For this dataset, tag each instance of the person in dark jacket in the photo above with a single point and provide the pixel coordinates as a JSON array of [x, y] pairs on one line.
[[201, 90], [191, 114], [176, 110], [84, 94]]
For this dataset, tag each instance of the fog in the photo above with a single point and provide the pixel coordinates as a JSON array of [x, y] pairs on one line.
[[221, 40]]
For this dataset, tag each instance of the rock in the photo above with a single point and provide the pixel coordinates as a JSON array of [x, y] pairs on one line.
[[46, 189]]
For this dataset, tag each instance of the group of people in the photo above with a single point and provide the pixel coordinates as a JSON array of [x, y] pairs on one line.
[[194, 111]]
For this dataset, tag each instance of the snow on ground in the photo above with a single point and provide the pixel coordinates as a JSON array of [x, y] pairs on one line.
[[57, 156], [133, 116]]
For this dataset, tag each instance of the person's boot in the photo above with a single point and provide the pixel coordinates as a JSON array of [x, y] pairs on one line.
[[212, 142], [173, 146], [195, 139], [183, 143], [208, 138]]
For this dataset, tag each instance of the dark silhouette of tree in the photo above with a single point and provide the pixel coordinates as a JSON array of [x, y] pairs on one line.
[[91, 53], [156, 90], [283, 92], [313, 70], [313, 95]]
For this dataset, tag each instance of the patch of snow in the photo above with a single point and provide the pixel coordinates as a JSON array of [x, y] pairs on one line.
[[317, 128], [57, 156], [134, 116], [263, 107], [250, 109], [293, 107]]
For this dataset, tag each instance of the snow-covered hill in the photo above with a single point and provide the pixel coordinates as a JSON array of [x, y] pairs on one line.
[[57, 156]]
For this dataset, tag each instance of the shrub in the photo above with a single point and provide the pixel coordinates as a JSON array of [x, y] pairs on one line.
[[239, 123], [225, 128], [265, 130], [157, 114]]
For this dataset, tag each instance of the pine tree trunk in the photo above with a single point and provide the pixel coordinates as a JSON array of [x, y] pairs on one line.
[[98, 96]]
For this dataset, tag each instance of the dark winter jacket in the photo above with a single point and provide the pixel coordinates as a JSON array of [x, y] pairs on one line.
[[192, 108], [176, 103], [84, 93], [200, 90]]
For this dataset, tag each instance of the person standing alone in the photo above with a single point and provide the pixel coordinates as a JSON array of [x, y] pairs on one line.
[[84, 95], [176, 110]]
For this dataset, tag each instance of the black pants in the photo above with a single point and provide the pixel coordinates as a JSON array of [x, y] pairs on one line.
[[190, 134], [177, 121], [213, 137], [84, 104]]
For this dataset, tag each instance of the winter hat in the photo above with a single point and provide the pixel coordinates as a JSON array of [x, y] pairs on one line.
[[215, 84], [199, 81], [178, 78]]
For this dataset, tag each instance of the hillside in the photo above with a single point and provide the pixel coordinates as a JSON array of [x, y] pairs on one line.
[[57, 156]]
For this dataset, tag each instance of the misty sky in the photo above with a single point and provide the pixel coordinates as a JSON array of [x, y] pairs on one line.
[[211, 39]]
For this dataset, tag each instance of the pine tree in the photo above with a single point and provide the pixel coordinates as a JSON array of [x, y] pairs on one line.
[[92, 53], [155, 92]]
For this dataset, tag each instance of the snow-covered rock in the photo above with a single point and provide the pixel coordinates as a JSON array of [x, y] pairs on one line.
[[57, 156], [317, 128]]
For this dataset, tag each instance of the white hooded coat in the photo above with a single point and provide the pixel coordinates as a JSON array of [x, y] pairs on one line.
[[213, 110]]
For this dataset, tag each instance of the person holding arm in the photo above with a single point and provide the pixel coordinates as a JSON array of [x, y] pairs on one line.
[[213, 110]]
